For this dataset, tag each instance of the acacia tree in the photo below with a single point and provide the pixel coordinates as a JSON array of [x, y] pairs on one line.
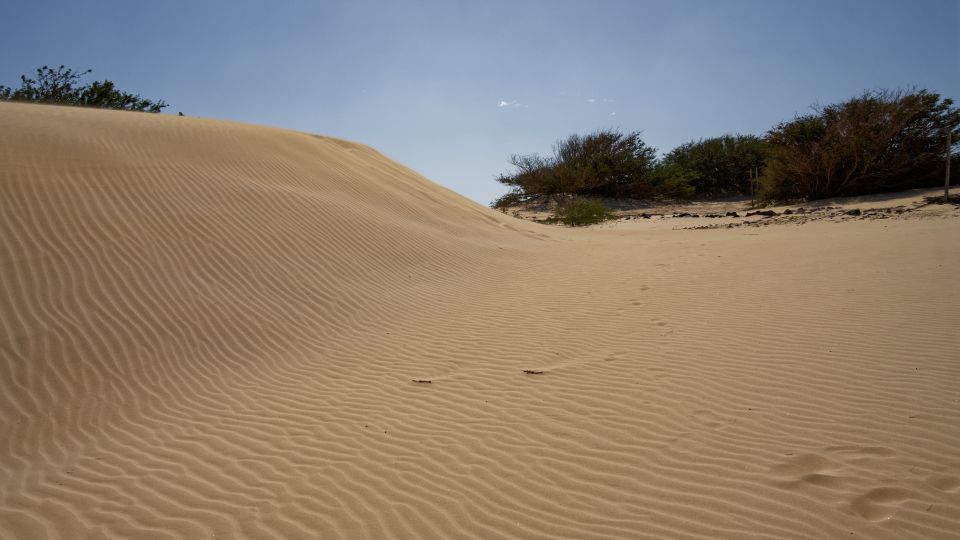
[[880, 141], [61, 86]]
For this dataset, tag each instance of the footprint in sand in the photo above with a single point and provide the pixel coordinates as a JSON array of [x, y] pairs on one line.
[[806, 470], [950, 484], [861, 451], [708, 418], [800, 465], [616, 356], [880, 503]]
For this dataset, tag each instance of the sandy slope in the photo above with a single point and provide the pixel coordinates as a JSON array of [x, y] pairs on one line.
[[210, 329]]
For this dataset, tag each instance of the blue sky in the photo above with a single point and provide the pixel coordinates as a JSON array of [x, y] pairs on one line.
[[451, 89]]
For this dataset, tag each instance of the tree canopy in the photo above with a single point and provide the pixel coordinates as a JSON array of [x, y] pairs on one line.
[[720, 165], [879, 141]]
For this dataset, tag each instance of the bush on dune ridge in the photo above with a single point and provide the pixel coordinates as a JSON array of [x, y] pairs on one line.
[[61, 86]]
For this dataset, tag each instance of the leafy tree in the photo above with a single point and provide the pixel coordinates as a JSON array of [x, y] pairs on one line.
[[61, 86], [604, 163], [880, 141], [720, 165]]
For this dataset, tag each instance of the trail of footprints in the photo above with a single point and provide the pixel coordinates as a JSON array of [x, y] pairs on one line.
[[829, 477]]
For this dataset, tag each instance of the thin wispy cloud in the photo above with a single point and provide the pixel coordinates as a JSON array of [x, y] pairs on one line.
[[512, 104]]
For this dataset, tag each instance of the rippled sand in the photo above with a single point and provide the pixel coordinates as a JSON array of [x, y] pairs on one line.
[[210, 329]]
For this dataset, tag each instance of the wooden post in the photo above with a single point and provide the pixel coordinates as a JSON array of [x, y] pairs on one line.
[[946, 179], [756, 186]]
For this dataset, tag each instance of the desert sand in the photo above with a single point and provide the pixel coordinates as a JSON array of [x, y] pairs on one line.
[[213, 330]]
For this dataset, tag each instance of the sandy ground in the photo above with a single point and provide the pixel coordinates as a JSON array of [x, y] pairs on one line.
[[212, 330], [743, 212]]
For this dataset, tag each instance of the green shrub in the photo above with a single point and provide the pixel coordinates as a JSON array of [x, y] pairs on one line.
[[604, 163], [580, 211], [720, 165], [61, 86], [668, 180]]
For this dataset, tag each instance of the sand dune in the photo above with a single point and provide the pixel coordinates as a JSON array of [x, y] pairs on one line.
[[210, 329]]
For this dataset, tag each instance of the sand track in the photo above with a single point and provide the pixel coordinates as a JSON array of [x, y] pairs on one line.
[[210, 329]]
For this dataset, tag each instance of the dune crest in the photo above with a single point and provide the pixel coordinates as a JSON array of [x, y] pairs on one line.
[[211, 329]]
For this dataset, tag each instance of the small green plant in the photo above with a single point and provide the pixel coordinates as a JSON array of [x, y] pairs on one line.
[[579, 211]]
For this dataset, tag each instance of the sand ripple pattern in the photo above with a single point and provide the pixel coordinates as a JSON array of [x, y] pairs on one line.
[[211, 330]]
